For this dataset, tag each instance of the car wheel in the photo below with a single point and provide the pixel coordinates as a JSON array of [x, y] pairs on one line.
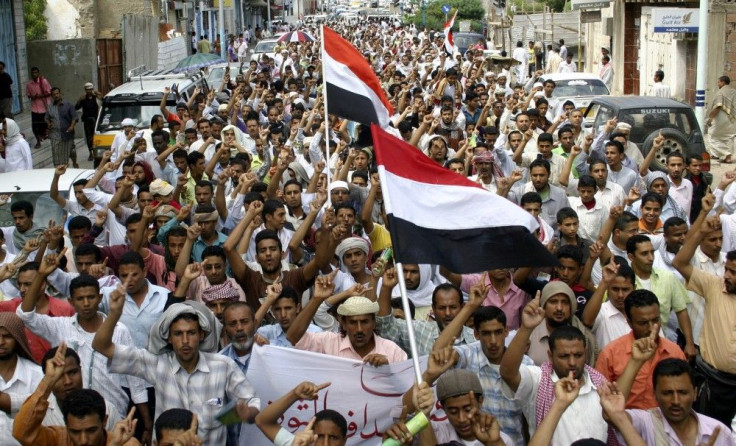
[[674, 141]]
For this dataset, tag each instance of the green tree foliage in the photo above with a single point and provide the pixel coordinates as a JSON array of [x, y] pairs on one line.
[[466, 10], [35, 21]]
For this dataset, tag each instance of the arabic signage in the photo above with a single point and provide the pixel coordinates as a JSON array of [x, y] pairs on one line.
[[590, 4], [675, 20], [368, 397]]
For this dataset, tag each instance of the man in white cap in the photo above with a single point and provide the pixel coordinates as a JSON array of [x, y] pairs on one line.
[[120, 142], [352, 254], [356, 339], [90, 108]]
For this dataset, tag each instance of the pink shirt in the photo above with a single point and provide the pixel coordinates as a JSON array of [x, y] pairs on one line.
[[511, 303], [42, 87], [155, 266], [335, 344], [642, 421]]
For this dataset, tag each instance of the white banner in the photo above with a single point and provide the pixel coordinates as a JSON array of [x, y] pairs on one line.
[[368, 397]]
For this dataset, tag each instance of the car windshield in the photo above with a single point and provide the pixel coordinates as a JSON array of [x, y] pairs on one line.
[[265, 47], [644, 121], [468, 41], [579, 87], [113, 114], [44, 208]]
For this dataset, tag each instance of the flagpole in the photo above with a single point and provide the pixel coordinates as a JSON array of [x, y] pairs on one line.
[[324, 101], [409, 322]]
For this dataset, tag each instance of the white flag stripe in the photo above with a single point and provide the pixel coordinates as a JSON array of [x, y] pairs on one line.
[[340, 75], [461, 207]]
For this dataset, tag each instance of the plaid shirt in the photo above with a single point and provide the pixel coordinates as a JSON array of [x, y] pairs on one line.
[[425, 332], [507, 411], [215, 381]]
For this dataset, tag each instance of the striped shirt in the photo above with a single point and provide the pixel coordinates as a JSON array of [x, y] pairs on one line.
[[507, 411], [93, 364], [425, 332], [215, 381]]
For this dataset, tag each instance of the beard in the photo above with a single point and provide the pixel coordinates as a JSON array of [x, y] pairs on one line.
[[243, 346]]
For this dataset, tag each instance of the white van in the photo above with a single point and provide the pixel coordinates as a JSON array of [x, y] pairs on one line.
[[139, 99]]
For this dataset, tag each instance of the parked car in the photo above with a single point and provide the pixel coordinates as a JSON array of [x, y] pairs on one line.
[[215, 73], [580, 88], [33, 186], [648, 116], [265, 46]]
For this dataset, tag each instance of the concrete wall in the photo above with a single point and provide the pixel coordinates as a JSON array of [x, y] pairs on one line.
[[171, 52], [67, 64], [70, 19], [140, 42], [111, 12]]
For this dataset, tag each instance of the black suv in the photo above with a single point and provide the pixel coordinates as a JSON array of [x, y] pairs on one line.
[[647, 116]]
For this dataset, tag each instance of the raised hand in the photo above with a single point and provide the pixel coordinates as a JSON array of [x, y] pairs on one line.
[[7, 270], [485, 426], [610, 271], [708, 202], [117, 296], [616, 212], [441, 360], [478, 292], [100, 217], [645, 348], [390, 278], [612, 400], [567, 389], [4, 198], [193, 232], [60, 169], [55, 367], [189, 437], [308, 390], [184, 212], [192, 271], [307, 437], [533, 314], [323, 286], [32, 244], [123, 430], [658, 142], [50, 263], [710, 225], [273, 291], [98, 270]]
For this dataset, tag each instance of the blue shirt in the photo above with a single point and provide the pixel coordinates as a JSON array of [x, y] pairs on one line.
[[507, 412], [276, 336], [139, 320], [200, 245]]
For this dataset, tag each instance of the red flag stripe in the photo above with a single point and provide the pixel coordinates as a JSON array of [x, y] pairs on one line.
[[342, 51]]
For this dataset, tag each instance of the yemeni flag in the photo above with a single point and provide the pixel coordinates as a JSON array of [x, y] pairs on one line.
[[352, 89], [449, 40], [439, 217]]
